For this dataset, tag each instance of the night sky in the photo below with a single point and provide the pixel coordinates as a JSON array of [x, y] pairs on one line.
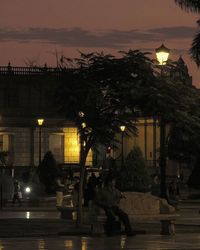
[[35, 31]]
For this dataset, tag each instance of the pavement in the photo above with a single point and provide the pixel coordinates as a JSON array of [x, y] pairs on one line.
[[36, 221], [41, 228], [140, 242]]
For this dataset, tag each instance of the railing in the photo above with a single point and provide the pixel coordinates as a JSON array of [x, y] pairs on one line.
[[9, 70]]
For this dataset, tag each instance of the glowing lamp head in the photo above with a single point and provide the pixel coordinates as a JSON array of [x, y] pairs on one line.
[[162, 54], [122, 128], [27, 190], [40, 121], [81, 114], [83, 124]]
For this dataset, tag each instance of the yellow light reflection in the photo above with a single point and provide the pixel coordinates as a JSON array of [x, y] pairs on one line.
[[123, 242], [41, 244], [1, 246], [83, 244], [27, 215], [68, 243]]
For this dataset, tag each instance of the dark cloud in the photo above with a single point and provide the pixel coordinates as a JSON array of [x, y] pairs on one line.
[[175, 32], [77, 37]]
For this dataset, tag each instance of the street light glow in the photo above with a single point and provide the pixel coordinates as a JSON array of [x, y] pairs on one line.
[[162, 54], [122, 128], [40, 121], [27, 190], [81, 114], [83, 124]]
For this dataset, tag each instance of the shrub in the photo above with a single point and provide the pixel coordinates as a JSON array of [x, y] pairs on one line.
[[47, 172], [133, 175]]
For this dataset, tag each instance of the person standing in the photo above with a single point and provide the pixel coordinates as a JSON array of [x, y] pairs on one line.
[[17, 194], [60, 187]]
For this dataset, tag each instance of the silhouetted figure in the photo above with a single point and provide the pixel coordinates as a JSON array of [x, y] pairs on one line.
[[182, 176], [93, 179], [60, 187], [17, 195], [90, 193], [108, 198], [75, 193], [174, 191]]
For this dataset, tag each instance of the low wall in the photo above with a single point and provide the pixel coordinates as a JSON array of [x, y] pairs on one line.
[[136, 203]]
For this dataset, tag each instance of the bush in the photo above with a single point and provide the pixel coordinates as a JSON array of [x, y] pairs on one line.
[[133, 175], [47, 172]]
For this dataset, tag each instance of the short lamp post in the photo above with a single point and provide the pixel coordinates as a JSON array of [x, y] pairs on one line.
[[162, 54], [122, 128], [40, 123]]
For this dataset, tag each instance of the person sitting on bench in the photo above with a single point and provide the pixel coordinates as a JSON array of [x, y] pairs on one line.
[[108, 198]]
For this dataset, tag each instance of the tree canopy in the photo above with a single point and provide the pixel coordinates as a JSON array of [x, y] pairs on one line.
[[105, 90], [99, 93], [189, 5]]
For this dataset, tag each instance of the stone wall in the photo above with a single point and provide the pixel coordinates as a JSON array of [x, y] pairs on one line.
[[136, 203]]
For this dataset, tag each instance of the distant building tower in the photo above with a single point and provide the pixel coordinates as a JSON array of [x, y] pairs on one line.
[[180, 73]]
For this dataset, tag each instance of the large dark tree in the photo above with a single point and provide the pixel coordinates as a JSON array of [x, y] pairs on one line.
[[99, 93], [184, 139]]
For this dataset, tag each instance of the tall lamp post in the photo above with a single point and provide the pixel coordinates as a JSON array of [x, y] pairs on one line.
[[122, 128], [40, 123], [162, 54]]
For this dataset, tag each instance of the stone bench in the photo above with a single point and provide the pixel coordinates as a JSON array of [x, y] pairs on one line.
[[140, 207], [67, 212], [70, 213]]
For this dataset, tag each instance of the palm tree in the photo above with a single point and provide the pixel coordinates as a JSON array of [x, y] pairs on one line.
[[189, 5], [193, 6]]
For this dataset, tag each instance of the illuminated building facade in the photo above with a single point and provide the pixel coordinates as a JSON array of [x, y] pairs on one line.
[[26, 95]]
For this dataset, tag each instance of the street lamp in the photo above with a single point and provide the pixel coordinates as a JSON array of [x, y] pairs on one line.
[[40, 123], [162, 54], [122, 128]]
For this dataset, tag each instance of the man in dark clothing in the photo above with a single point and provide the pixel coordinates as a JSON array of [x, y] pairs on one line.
[[89, 193], [108, 198], [17, 193]]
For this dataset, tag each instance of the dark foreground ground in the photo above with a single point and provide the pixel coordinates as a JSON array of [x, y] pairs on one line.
[[27, 228]]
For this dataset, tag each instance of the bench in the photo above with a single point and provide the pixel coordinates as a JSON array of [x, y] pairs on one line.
[[140, 207], [70, 213], [67, 212]]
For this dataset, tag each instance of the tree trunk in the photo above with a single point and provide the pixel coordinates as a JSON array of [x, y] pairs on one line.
[[83, 156]]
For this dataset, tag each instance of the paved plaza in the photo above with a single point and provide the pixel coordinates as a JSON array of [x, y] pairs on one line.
[[43, 230], [140, 242]]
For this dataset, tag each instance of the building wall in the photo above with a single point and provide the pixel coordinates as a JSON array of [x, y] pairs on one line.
[[63, 142], [25, 95], [147, 138], [72, 147]]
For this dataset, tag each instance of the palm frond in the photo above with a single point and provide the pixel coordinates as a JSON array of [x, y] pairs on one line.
[[189, 5], [195, 49]]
